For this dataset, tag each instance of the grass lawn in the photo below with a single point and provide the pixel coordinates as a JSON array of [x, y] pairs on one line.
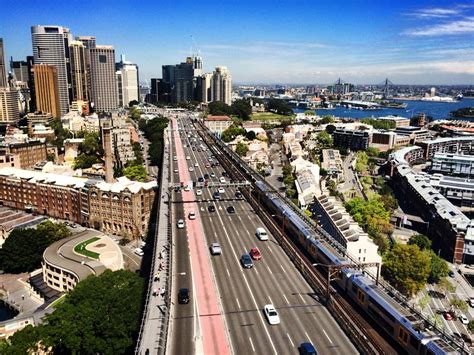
[[265, 116], [57, 302], [81, 248]]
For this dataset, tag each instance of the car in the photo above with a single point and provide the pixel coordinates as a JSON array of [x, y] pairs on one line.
[[222, 180], [176, 171], [216, 195], [221, 190], [206, 176], [230, 209], [261, 234], [200, 179], [451, 274], [208, 165], [196, 165], [271, 314], [463, 319], [471, 301], [238, 194], [142, 244], [215, 249], [183, 296], [139, 252], [307, 349], [175, 158], [213, 165], [448, 315], [246, 261], [73, 225], [192, 215], [255, 254], [191, 168], [188, 157], [187, 188], [213, 175], [211, 208], [198, 192], [180, 224]]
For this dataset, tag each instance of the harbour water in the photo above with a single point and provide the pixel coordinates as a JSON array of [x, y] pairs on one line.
[[5, 313], [437, 110]]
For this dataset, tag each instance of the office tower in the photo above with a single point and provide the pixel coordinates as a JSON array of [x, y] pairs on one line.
[[221, 85], [127, 82], [197, 66], [46, 89], [168, 73], [79, 71], [51, 47], [204, 88], [9, 112], [3, 72], [20, 70], [31, 83], [87, 41], [103, 85]]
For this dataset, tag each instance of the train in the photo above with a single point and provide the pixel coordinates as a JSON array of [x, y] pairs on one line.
[[404, 327]]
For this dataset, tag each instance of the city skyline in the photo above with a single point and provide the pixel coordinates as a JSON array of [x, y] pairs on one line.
[[423, 42]]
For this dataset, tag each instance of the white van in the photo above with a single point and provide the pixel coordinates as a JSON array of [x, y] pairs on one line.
[[261, 234]]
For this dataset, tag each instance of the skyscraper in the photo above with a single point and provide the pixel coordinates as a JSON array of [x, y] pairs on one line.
[[103, 85], [79, 71], [51, 46], [8, 105], [3, 72], [204, 88], [221, 85], [46, 89], [127, 82], [20, 70], [87, 41]]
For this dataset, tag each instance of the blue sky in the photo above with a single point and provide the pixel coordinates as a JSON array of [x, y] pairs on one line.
[[278, 41]]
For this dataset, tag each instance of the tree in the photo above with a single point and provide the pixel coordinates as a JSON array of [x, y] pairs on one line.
[[459, 304], [233, 131], [242, 109], [101, 315], [135, 173], [133, 103], [470, 326], [362, 161], [135, 114], [379, 124], [330, 128], [24, 341], [280, 107], [373, 152], [241, 149], [424, 301], [219, 108], [327, 119], [250, 135], [422, 241], [446, 286], [84, 161], [325, 139], [53, 231], [91, 144], [439, 267], [407, 268]]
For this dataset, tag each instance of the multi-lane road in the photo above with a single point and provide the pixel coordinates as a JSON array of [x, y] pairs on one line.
[[240, 293]]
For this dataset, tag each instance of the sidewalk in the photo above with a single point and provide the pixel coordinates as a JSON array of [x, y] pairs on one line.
[[15, 292]]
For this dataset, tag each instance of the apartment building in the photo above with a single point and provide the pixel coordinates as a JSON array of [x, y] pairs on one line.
[[453, 164], [217, 124]]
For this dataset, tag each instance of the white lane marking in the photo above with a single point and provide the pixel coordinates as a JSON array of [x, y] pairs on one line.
[[256, 271], [302, 298], [269, 270], [251, 344], [308, 338], [271, 302], [228, 273], [286, 299], [291, 341], [327, 336], [250, 289], [282, 269], [238, 304], [270, 250]]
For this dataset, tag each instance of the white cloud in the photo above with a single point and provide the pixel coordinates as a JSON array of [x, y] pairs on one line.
[[436, 12], [458, 27]]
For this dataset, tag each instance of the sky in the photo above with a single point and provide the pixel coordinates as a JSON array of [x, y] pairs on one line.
[[278, 41]]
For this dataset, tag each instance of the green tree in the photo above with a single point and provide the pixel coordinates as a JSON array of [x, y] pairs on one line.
[[242, 109], [424, 301], [330, 128], [309, 113], [53, 231], [407, 268], [91, 144], [373, 152], [24, 341], [470, 326], [135, 114], [423, 242], [135, 173], [439, 267], [362, 161], [280, 107], [219, 108], [325, 139], [241, 149], [459, 304], [445, 285], [379, 124], [233, 131], [84, 161], [250, 135], [327, 119], [133, 103], [60, 133], [153, 130]]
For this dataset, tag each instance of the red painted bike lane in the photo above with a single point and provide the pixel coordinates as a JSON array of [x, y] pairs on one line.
[[212, 322]]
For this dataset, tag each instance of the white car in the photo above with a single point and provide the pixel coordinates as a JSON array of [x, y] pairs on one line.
[[188, 157], [192, 215], [198, 192], [216, 249], [187, 188], [191, 168], [196, 165], [176, 171], [139, 252], [221, 190], [222, 180], [180, 224], [463, 319], [271, 314], [213, 175]]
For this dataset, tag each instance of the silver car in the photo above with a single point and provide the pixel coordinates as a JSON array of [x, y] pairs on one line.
[[216, 249]]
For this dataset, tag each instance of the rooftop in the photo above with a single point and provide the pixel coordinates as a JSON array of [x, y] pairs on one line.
[[218, 118]]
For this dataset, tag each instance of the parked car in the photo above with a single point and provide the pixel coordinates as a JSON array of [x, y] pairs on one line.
[[271, 314]]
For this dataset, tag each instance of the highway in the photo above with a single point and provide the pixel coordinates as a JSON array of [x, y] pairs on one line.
[[244, 292]]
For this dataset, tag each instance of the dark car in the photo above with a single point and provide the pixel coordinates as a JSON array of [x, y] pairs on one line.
[[206, 176], [307, 349], [224, 173], [231, 209], [238, 194], [246, 261], [183, 296], [211, 208], [200, 179], [451, 274], [216, 195]]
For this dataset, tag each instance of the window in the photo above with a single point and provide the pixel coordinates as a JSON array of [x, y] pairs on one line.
[[102, 58]]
